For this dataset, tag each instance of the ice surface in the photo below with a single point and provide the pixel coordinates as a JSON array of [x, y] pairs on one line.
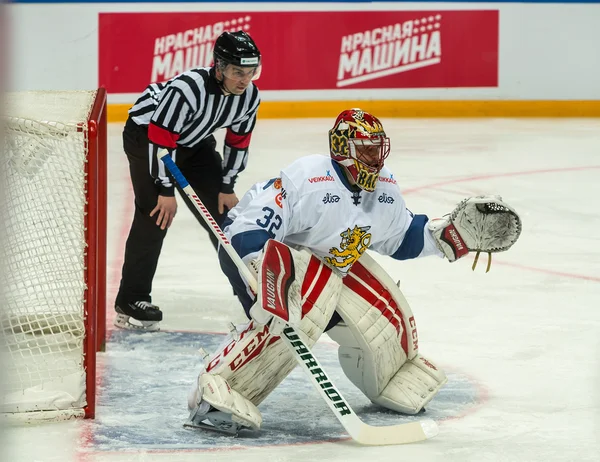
[[521, 344]]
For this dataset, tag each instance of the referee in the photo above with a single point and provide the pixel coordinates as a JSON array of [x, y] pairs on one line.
[[181, 115]]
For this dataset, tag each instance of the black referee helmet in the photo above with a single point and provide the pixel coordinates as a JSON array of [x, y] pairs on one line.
[[236, 48]]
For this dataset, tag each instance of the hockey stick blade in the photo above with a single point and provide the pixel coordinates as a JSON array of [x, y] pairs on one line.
[[360, 432]]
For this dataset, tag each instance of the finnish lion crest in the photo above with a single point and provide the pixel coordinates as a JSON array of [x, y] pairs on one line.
[[354, 243]]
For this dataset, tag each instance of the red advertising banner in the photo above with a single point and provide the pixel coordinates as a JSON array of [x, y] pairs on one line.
[[308, 50]]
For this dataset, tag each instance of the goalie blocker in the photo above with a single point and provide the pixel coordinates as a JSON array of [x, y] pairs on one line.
[[378, 340]]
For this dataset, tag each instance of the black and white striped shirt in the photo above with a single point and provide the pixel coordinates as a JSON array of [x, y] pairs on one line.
[[187, 109]]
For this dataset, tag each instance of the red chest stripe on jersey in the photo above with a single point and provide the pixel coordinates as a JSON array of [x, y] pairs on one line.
[[161, 137], [363, 283], [237, 141], [314, 282]]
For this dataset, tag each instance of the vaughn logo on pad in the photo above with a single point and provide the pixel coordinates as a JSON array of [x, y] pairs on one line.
[[276, 276]]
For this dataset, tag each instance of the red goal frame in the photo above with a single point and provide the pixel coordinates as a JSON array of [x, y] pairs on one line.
[[95, 236]]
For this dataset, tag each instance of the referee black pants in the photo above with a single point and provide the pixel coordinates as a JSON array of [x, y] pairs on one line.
[[201, 166]]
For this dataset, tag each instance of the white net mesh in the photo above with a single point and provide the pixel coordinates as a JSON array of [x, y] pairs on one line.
[[42, 251]]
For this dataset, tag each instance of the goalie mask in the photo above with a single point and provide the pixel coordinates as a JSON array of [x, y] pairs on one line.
[[358, 143]]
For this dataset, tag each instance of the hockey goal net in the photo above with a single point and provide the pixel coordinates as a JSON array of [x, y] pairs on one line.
[[52, 252]]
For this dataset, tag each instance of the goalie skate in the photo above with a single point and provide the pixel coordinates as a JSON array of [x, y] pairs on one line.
[[138, 316], [213, 420]]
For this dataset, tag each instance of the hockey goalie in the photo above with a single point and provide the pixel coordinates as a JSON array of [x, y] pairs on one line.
[[305, 235]]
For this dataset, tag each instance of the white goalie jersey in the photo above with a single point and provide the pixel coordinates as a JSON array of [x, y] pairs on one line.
[[312, 205]]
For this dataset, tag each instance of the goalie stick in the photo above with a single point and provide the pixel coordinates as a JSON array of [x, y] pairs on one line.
[[360, 432]]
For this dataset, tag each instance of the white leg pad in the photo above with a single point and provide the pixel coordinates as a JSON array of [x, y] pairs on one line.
[[379, 322], [215, 390], [413, 386], [379, 343], [255, 361]]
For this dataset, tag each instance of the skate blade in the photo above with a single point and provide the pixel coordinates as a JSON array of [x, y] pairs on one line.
[[213, 420], [127, 322], [231, 430]]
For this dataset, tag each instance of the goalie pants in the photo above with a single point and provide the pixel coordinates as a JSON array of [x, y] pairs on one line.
[[201, 165]]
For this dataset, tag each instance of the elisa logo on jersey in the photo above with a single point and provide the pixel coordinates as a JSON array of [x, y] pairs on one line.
[[385, 179], [354, 243], [177, 52], [330, 199], [385, 199], [318, 179], [390, 49]]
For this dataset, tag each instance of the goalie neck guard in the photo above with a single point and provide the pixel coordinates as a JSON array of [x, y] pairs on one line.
[[359, 144]]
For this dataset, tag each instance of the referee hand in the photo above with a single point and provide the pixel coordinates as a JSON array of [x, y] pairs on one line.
[[166, 208], [227, 201]]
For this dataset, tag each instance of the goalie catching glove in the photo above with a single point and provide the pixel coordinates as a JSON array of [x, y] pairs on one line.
[[477, 224]]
